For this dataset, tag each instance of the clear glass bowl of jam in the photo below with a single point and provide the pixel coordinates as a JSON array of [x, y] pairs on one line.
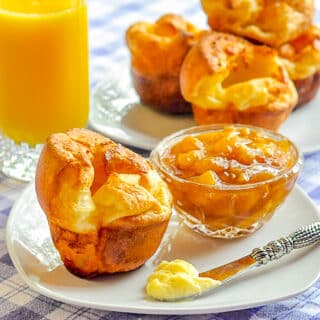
[[227, 180]]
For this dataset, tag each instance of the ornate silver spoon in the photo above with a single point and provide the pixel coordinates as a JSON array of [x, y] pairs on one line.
[[274, 250]]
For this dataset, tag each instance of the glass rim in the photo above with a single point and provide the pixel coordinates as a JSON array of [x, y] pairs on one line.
[[167, 141], [80, 3]]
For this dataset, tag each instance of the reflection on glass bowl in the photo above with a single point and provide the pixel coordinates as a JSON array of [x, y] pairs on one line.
[[227, 180]]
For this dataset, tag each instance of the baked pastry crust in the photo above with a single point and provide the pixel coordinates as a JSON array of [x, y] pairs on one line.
[[106, 206], [228, 79], [307, 89], [301, 57], [271, 22], [157, 52], [260, 116]]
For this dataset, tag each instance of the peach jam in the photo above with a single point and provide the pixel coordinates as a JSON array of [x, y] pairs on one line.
[[227, 180]]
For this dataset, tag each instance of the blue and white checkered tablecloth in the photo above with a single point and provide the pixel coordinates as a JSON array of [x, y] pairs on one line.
[[108, 21]]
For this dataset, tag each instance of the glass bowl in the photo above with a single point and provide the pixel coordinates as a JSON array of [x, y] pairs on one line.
[[218, 208]]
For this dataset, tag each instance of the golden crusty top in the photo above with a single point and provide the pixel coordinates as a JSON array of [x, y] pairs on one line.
[[223, 70], [301, 56], [160, 47], [272, 22], [85, 181]]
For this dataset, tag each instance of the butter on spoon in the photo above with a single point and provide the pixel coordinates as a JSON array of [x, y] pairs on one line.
[[178, 279]]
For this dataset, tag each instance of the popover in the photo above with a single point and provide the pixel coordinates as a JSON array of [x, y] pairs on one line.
[[271, 22], [301, 57], [106, 206], [157, 52], [230, 80]]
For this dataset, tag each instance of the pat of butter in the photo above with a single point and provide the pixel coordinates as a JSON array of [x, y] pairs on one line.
[[177, 279]]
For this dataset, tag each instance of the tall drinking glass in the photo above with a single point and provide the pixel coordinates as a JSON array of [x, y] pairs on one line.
[[44, 86]]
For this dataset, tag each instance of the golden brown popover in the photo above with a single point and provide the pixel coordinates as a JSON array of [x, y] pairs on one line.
[[106, 206], [157, 52], [230, 80], [301, 57], [271, 22]]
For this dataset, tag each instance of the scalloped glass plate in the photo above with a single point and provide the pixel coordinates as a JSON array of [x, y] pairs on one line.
[[117, 113], [32, 252]]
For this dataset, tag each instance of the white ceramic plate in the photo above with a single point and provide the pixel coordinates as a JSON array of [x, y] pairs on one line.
[[117, 113], [38, 263]]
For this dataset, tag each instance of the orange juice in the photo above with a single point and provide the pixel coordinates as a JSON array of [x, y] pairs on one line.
[[44, 85]]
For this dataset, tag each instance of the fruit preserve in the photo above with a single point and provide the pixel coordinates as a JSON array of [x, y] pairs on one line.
[[227, 180]]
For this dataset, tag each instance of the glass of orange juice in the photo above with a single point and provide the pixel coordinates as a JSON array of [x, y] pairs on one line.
[[44, 85]]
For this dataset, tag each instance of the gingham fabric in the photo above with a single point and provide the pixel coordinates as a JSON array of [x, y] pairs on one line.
[[108, 22]]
